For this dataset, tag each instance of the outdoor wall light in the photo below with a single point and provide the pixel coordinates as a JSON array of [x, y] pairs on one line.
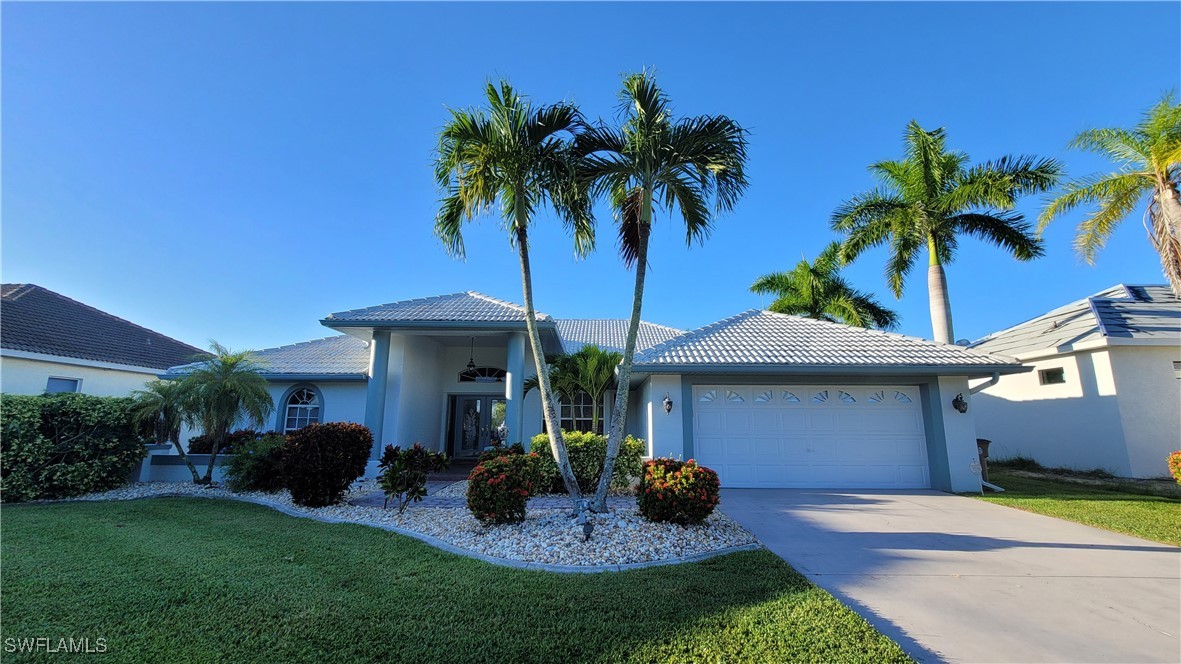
[[668, 404], [959, 404]]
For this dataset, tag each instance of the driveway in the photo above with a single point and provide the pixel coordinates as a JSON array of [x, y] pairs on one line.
[[961, 580]]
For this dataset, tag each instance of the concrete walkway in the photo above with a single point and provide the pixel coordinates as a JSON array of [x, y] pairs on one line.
[[956, 579]]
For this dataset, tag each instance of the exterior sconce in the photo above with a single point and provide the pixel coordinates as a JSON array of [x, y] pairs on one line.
[[668, 404], [959, 404]]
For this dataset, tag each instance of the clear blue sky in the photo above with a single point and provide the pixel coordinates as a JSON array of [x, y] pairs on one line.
[[238, 171]]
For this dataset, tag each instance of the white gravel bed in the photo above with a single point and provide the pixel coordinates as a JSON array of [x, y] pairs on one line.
[[459, 490], [547, 536]]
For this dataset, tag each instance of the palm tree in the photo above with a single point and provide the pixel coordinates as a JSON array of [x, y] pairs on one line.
[[1149, 159], [817, 290], [695, 166], [223, 390], [929, 199], [159, 408], [590, 370], [518, 156]]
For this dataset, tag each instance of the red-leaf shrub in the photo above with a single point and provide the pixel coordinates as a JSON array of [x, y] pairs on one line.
[[320, 461], [499, 488], [1175, 465], [677, 491]]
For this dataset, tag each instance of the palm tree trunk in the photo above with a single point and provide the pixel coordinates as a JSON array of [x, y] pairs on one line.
[[175, 440], [1168, 239], [217, 443], [623, 380], [940, 300], [552, 424]]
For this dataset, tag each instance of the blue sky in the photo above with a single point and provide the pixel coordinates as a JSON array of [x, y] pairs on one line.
[[238, 171]]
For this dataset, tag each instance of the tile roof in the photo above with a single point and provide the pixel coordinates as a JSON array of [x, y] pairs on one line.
[[757, 338], [610, 333], [37, 320], [339, 355], [1141, 313], [469, 307]]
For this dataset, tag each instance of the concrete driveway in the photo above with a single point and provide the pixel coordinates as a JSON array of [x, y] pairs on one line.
[[957, 579]]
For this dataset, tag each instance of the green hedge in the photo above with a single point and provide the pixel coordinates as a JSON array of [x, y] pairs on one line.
[[587, 452], [62, 445]]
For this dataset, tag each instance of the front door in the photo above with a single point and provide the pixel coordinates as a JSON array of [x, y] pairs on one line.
[[479, 422]]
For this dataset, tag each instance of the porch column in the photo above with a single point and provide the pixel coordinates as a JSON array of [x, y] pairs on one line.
[[514, 388], [379, 366]]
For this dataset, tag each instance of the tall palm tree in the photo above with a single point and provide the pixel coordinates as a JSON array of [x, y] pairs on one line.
[[159, 408], [516, 155], [1149, 159], [929, 199], [692, 166], [817, 290], [222, 391]]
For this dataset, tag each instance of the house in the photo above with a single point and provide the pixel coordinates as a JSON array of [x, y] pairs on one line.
[[50, 343], [767, 400], [1104, 390]]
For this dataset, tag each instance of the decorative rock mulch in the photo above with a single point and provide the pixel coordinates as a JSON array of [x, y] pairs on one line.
[[548, 538]]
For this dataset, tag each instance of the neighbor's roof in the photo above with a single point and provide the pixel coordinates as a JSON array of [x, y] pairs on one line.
[[339, 356], [610, 333], [1128, 314], [37, 320], [758, 339], [469, 307]]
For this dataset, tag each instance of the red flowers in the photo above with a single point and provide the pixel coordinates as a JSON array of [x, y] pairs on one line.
[[499, 487], [684, 491]]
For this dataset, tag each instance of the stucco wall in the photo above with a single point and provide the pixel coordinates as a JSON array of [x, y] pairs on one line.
[[1076, 424], [1149, 405], [666, 431], [342, 401], [422, 406], [25, 376]]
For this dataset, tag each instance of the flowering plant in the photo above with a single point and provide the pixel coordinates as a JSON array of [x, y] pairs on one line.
[[498, 488], [677, 491], [1175, 465]]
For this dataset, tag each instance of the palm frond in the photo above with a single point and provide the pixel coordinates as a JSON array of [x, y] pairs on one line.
[[1005, 229]]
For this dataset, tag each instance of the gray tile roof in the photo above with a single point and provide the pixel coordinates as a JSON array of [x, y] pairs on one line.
[[1142, 313], [769, 340], [37, 320], [469, 307], [340, 355], [610, 333]]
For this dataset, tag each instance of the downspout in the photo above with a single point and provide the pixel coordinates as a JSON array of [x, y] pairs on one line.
[[996, 378]]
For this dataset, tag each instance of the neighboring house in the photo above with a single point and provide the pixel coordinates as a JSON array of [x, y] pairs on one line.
[[50, 343], [767, 400], [1105, 386]]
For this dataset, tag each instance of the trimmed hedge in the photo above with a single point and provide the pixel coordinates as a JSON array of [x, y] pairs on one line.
[[677, 491], [62, 445], [587, 452], [320, 461]]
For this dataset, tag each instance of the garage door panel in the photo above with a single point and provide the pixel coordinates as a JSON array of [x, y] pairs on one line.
[[764, 421], [791, 420], [821, 421], [737, 422]]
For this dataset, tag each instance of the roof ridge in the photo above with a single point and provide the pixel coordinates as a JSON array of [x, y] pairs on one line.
[[1082, 302], [310, 341], [620, 320], [886, 333], [390, 304], [512, 305], [684, 336]]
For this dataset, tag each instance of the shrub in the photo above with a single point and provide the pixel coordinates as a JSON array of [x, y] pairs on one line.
[[62, 445], [403, 472], [1175, 465], [1017, 463], [203, 444], [320, 461], [676, 491], [499, 488], [257, 465], [499, 451], [587, 452]]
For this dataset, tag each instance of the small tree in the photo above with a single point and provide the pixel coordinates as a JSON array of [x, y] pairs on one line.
[[159, 411], [223, 390], [590, 370], [404, 472]]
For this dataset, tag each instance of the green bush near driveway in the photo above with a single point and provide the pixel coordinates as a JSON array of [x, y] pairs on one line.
[[244, 583], [587, 453]]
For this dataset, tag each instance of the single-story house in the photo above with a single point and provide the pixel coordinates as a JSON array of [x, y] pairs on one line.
[[1104, 386], [50, 343], [765, 399]]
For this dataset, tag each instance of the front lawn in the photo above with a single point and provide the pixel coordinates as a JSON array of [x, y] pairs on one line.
[[175, 579], [1108, 504]]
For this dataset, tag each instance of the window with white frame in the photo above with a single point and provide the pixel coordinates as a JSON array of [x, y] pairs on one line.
[[302, 408], [576, 415], [57, 384]]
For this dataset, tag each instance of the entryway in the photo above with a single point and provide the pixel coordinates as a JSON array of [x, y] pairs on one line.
[[477, 422]]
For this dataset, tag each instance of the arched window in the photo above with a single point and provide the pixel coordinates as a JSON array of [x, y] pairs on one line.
[[301, 409]]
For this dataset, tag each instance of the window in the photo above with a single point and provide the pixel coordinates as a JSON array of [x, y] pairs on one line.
[[302, 408], [1051, 376], [56, 385], [576, 416], [1177, 369]]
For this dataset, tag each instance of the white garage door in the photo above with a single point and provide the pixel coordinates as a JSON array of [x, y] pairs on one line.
[[834, 436]]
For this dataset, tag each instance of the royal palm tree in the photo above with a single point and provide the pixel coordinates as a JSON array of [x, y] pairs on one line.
[[817, 290], [223, 390], [159, 409], [1149, 160], [516, 156], [931, 197], [694, 167]]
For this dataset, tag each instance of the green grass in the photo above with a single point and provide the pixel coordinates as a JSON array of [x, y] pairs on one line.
[[1122, 507], [176, 579]]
